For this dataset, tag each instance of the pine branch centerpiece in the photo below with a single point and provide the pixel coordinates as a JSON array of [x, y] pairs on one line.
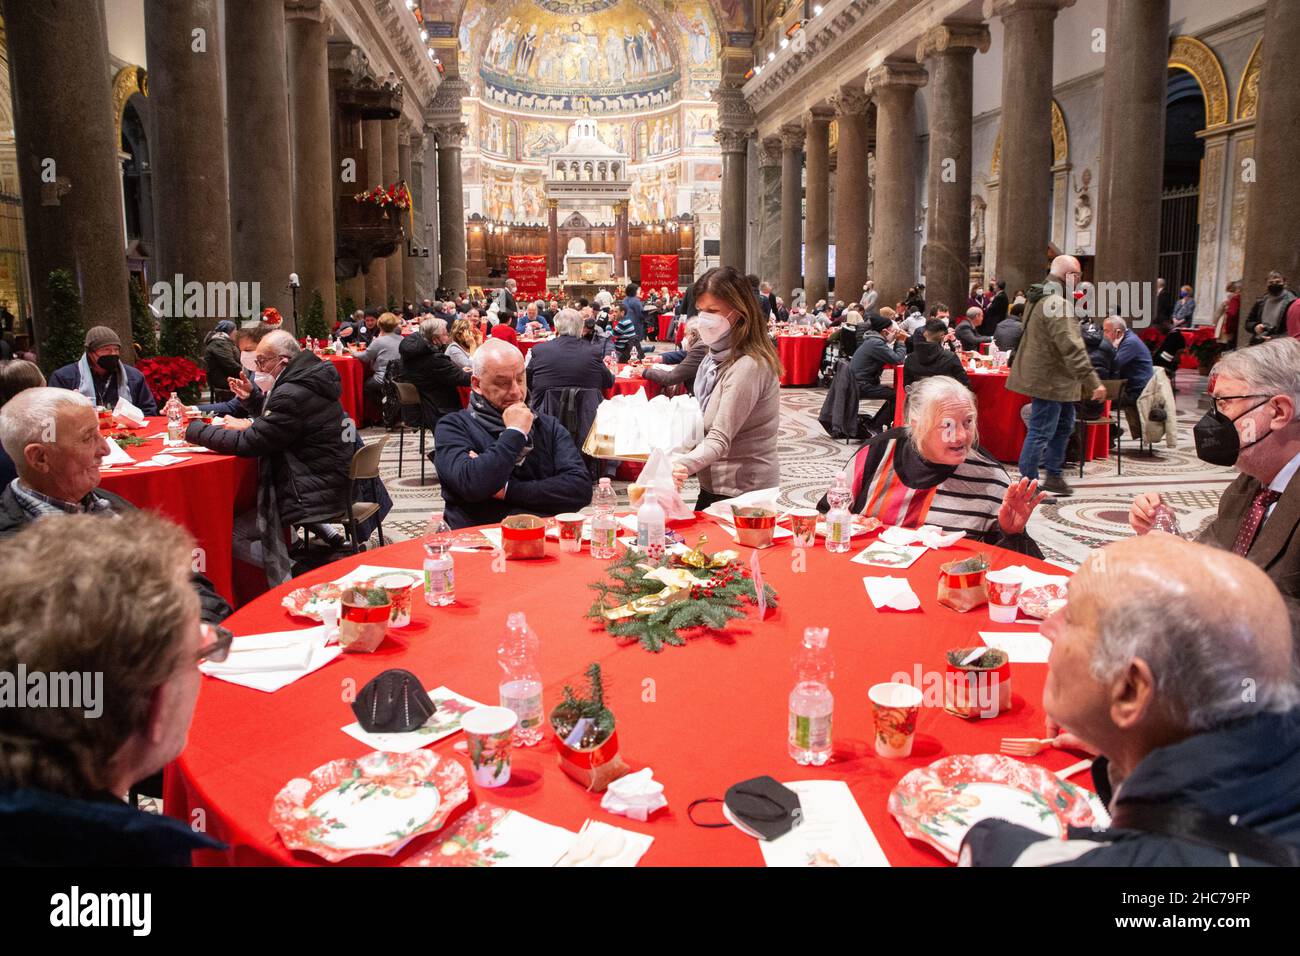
[[585, 742], [656, 604]]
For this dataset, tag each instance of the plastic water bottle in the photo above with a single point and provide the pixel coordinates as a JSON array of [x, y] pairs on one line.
[[175, 418], [650, 525], [839, 520], [811, 702], [338, 346], [521, 679], [604, 529], [439, 567]]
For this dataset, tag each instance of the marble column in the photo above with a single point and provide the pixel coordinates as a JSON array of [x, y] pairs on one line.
[[893, 239], [769, 208], [431, 210], [191, 198], [817, 228], [313, 167], [64, 125], [408, 263], [451, 207], [851, 193], [552, 237], [620, 239], [735, 145], [791, 276], [261, 179], [420, 266], [372, 141], [392, 172], [1133, 98], [949, 52], [1025, 179], [1273, 222]]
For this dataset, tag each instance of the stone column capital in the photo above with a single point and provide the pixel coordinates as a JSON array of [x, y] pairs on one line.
[[732, 140], [953, 38], [1009, 8], [404, 136], [769, 151], [792, 136], [733, 111], [896, 75], [850, 101], [818, 114], [304, 10], [552, 204], [451, 134]]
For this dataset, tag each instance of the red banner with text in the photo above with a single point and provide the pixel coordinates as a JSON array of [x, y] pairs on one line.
[[530, 274], [659, 272]]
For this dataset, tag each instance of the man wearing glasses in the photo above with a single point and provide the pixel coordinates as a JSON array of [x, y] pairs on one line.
[[127, 637], [1254, 426]]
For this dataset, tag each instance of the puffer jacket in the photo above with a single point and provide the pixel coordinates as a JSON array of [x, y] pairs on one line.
[[1246, 769], [300, 431], [1051, 362]]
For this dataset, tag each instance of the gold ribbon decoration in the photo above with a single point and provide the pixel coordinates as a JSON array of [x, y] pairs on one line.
[[697, 558], [677, 586]]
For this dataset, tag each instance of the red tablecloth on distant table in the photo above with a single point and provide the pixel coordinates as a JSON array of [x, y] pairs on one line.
[[801, 357], [629, 386], [203, 495], [704, 716], [352, 376], [665, 320], [526, 344], [1001, 427]]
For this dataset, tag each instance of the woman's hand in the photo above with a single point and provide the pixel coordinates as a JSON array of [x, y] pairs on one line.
[[1018, 504], [680, 474]]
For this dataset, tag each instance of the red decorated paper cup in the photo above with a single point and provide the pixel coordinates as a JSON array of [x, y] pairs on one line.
[[1004, 593]]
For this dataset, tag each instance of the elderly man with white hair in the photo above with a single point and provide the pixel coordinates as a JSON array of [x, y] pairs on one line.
[[52, 435], [1254, 425], [496, 458], [567, 361], [1174, 662], [301, 439], [933, 471]]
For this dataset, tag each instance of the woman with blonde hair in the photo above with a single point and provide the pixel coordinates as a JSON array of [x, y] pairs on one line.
[[738, 386], [464, 343]]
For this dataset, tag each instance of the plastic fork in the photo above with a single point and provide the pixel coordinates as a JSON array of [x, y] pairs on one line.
[[1026, 746]]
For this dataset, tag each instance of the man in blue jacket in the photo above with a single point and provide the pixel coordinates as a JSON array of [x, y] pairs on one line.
[[1132, 358], [100, 373], [496, 458], [1188, 693]]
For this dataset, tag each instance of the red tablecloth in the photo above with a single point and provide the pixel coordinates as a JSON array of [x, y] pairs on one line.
[[1001, 427], [665, 320], [704, 716], [203, 495], [801, 357], [352, 376], [629, 386], [526, 344]]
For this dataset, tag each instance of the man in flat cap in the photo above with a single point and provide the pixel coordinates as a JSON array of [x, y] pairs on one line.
[[101, 373]]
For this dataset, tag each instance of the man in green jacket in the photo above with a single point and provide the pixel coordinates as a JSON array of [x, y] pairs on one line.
[[1051, 366]]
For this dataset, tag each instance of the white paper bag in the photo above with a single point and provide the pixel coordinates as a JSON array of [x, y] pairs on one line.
[[128, 412], [658, 474]]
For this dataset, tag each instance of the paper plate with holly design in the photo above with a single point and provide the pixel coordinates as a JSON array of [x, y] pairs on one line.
[[939, 803], [372, 805]]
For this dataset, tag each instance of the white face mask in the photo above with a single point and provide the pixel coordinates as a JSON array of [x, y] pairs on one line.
[[264, 380], [711, 326], [248, 360]]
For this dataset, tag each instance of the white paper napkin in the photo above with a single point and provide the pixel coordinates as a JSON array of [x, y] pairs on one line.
[[1022, 647], [885, 555], [833, 832], [892, 592], [445, 721], [764, 498], [634, 796], [236, 668], [932, 536], [366, 572], [1032, 579], [128, 412], [117, 455]]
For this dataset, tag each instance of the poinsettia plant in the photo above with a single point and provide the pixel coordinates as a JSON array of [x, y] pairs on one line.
[[395, 195], [171, 373]]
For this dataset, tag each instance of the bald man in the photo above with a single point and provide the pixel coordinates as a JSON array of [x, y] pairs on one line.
[[1175, 662], [1051, 366]]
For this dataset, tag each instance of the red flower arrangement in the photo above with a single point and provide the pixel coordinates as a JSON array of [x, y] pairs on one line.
[[395, 195], [272, 316], [169, 373]]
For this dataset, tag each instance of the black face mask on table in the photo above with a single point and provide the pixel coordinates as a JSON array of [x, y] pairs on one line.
[[1217, 441]]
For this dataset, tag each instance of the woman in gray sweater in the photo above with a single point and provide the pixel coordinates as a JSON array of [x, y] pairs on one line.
[[738, 386]]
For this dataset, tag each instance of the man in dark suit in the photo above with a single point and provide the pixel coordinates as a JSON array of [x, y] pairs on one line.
[[567, 361], [1254, 427], [997, 310]]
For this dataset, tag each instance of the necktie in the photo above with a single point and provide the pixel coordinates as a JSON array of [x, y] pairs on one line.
[[1254, 518]]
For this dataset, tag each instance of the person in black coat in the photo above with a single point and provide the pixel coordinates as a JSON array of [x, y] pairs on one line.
[[435, 376], [997, 310], [221, 360], [932, 356], [303, 445], [882, 346], [496, 458], [567, 361]]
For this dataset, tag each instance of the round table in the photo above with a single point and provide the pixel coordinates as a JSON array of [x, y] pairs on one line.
[[703, 716], [629, 386], [525, 345], [1002, 427], [203, 495], [801, 358], [352, 378]]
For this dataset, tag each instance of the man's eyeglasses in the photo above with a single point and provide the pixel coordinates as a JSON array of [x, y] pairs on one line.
[[216, 645], [1216, 399]]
